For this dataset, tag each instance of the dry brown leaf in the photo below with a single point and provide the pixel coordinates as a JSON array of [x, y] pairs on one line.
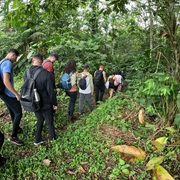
[[82, 169], [71, 172], [130, 153], [161, 174], [141, 116], [46, 162]]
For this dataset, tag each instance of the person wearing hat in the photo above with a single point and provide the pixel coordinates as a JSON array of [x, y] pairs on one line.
[[48, 64], [99, 82], [86, 94]]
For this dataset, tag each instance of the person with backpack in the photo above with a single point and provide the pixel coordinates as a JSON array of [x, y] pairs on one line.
[[10, 96], [44, 86], [99, 82], [48, 64], [2, 159], [70, 69], [86, 89]]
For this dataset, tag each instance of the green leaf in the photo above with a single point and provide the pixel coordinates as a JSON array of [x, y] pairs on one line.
[[154, 161], [140, 134], [171, 130], [177, 120], [122, 162], [125, 171]]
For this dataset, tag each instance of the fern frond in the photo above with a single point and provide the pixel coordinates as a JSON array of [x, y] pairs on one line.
[[26, 33], [18, 45]]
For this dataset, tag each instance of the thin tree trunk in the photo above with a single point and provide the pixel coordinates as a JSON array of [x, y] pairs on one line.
[[150, 29]]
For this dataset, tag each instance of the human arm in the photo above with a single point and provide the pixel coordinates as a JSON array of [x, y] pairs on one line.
[[104, 76], [9, 86], [94, 73], [91, 84]]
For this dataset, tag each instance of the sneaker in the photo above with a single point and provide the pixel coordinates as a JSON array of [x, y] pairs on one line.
[[16, 141], [39, 142]]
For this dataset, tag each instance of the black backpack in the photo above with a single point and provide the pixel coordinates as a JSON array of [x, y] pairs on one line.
[[2, 86], [98, 79], [29, 93], [83, 83]]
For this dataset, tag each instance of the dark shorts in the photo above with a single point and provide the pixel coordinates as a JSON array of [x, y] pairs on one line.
[[112, 86]]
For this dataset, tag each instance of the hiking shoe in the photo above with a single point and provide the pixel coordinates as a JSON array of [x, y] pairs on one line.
[[16, 141], [39, 142]]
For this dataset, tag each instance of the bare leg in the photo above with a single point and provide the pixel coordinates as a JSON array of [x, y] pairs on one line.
[[110, 93]]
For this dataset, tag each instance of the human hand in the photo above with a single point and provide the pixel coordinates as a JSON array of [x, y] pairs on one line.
[[17, 97], [54, 107]]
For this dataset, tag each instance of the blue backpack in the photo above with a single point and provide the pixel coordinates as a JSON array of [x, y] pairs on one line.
[[66, 82]]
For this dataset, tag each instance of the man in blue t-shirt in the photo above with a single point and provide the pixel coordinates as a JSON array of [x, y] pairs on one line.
[[10, 96]]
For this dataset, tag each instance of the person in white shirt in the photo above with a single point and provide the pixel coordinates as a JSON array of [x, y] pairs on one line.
[[86, 95], [118, 79]]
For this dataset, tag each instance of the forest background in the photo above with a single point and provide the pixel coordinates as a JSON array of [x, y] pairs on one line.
[[139, 37]]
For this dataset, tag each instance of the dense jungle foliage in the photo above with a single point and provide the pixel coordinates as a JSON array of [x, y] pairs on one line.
[[133, 136]]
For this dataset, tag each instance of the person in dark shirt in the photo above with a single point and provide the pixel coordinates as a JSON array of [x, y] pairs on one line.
[[99, 82], [44, 86]]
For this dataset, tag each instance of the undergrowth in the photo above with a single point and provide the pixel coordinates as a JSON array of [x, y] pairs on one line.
[[83, 150]]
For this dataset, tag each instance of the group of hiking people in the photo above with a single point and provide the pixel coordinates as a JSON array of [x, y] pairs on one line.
[[42, 72]]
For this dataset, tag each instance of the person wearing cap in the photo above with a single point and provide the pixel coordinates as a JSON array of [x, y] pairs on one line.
[[99, 82], [48, 64], [87, 93]]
